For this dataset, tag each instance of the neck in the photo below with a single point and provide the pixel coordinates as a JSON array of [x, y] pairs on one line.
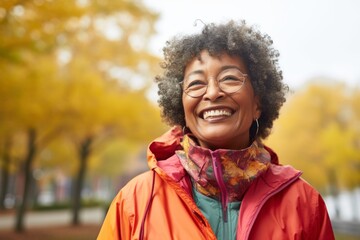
[[214, 145]]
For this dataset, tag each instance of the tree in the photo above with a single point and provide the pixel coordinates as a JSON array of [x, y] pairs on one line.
[[315, 133], [56, 46], [108, 112], [26, 37], [5, 170]]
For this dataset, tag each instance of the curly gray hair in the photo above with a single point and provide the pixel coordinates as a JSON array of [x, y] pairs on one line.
[[235, 39]]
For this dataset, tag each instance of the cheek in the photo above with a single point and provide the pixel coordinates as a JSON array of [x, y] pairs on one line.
[[189, 105], [249, 102], [186, 107], [247, 108]]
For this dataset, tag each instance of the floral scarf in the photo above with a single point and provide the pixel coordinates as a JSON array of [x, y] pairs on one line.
[[223, 174]]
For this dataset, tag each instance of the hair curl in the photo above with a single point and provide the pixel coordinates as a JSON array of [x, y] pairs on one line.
[[235, 39]]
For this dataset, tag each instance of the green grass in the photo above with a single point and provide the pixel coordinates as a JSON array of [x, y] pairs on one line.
[[67, 205]]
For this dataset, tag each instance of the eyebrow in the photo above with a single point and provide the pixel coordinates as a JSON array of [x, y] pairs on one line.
[[226, 67], [194, 73], [223, 68]]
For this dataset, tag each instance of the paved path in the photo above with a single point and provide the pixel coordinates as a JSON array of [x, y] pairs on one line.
[[53, 218]]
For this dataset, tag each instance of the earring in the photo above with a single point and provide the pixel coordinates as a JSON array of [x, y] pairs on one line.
[[185, 130]]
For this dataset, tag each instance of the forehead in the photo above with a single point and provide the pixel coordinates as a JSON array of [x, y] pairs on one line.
[[214, 63]]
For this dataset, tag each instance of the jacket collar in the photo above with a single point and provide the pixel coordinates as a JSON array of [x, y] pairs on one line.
[[165, 146]]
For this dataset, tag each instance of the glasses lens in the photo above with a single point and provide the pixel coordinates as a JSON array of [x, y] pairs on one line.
[[196, 92], [232, 85], [195, 88], [198, 89]]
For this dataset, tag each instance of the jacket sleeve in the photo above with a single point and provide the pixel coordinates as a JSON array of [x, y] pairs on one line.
[[322, 222], [116, 225]]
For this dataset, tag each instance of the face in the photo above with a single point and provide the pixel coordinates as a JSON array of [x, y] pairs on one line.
[[218, 119]]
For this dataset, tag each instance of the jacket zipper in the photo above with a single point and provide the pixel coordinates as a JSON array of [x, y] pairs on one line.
[[219, 179], [227, 228]]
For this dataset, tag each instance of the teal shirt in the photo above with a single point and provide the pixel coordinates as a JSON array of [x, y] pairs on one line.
[[212, 210]]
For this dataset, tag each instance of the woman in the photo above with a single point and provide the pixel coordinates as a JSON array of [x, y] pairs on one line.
[[211, 177]]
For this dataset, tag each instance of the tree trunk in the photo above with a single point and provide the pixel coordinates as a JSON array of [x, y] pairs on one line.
[[30, 155], [5, 170], [84, 152]]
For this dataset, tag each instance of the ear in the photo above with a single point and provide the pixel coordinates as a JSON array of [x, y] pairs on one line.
[[256, 108]]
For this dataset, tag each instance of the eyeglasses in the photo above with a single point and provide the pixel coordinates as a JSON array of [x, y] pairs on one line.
[[228, 84]]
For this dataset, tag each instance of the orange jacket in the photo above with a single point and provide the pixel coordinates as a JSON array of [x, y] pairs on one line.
[[158, 203]]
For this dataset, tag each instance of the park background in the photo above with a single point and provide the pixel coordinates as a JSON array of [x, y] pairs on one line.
[[78, 102]]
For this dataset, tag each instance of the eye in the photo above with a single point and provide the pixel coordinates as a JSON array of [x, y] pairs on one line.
[[195, 84], [231, 78]]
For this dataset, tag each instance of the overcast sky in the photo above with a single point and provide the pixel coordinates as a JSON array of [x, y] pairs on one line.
[[314, 37]]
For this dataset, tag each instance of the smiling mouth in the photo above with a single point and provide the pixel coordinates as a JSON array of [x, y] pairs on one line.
[[218, 113]]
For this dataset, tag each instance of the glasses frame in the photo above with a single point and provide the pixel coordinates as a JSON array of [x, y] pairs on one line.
[[218, 84]]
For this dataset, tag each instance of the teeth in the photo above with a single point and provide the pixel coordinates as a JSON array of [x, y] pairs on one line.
[[216, 113]]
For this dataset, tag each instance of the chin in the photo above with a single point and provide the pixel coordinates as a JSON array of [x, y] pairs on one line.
[[220, 137], [215, 139]]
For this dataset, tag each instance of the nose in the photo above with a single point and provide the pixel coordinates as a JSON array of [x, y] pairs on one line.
[[213, 91]]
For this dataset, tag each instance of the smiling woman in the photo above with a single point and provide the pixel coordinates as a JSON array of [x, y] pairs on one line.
[[221, 116], [211, 176]]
